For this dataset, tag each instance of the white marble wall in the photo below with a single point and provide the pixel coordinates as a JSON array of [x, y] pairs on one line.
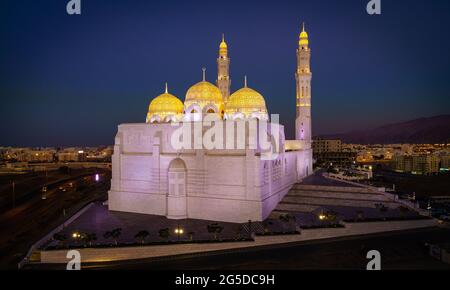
[[221, 185]]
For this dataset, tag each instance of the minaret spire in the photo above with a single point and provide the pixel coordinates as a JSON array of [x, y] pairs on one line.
[[204, 74], [245, 81], [303, 78], [223, 70], [167, 90]]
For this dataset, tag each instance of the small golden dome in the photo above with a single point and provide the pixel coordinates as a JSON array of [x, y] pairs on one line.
[[223, 47], [246, 101], [303, 34], [303, 37], [163, 106], [203, 94]]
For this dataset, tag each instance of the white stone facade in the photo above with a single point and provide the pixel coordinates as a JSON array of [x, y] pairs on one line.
[[151, 177]]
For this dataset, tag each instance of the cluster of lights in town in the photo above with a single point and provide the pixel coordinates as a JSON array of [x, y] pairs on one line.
[[76, 235]]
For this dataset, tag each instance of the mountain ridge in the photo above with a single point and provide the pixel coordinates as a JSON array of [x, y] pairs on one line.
[[434, 129]]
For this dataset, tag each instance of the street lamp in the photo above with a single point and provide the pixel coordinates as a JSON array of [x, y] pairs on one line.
[[13, 184], [429, 208], [322, 216], [179, 231]]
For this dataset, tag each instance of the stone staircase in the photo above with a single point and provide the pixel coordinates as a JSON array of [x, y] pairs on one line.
[[308, 198]]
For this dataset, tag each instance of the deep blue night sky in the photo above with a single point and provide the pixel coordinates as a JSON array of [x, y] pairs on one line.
[[70, 80]]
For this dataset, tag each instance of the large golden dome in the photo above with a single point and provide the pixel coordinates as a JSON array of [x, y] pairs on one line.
[[204, 94], [163, 106], [248, 102]]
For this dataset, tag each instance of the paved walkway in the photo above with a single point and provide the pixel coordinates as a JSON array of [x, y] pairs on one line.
[[98, 220]]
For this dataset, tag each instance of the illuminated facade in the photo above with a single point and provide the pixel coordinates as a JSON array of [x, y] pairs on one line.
[[303, 79], [152, 175]]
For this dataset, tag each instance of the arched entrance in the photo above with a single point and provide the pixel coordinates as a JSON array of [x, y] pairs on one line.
[[176, 197]]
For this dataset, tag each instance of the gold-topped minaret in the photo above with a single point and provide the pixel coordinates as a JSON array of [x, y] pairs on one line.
[[223, 70], [303, 80]]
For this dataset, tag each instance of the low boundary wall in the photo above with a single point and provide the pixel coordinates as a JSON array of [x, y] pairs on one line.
[[89, 255], [49, 236]]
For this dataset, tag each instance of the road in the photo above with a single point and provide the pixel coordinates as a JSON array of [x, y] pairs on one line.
[[28, 222], [29, 184]]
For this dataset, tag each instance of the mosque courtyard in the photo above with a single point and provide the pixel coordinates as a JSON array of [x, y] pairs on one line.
[[299, 210]]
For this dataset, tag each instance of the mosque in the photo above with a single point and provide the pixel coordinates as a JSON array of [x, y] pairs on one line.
[[152, 174]]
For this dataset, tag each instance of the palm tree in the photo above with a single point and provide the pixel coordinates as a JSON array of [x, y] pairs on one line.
[[142, 235], [381, 207], [215, 229], [284, 218], [114, 234], [89, 238], [403, 210], [266, 228], [107, 235], [331, 215], [164, 233], [238, 232], [219, 229], [61, 238], [359, 214]]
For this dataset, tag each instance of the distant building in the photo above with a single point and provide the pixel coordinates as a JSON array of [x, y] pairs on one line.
[[44, 155], [326, 145], [418, 164], [339, 159], [330, 152], [99, 154], [445, 161], [33, 155], [71, 155]]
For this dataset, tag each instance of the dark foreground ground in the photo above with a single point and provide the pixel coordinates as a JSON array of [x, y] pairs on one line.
[[401, 250]]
